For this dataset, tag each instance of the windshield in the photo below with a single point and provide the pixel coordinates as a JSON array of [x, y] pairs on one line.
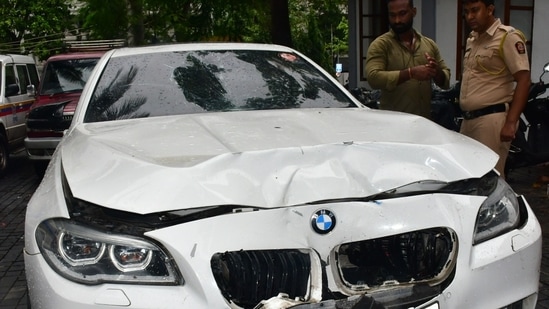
[[187, 82], [66, 75]]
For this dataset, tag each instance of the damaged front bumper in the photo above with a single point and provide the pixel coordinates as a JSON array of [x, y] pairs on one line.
[[502, 272]]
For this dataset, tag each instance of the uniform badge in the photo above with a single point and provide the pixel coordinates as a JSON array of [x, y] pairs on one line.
[[521, 49]]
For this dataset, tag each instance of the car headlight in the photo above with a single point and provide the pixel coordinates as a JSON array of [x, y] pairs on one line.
[[499, 213], [88, 256]]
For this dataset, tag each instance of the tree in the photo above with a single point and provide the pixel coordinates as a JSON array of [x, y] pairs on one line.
[[319, 27], [36, 27], [169, 20], [280, 23], [206, 20], [136, 23], [105, 19], [315, 27]]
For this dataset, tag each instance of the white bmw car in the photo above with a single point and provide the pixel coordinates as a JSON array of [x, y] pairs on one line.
[[244, 176]]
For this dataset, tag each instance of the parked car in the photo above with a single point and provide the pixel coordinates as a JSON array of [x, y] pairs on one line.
[[232, 175], [18, 78], [63, 79]]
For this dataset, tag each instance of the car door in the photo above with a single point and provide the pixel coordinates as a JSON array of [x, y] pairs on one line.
[[19, 103]]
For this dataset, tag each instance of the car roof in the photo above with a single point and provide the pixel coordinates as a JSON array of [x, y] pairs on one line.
[[9, 58], [76, 55], [127, 51]]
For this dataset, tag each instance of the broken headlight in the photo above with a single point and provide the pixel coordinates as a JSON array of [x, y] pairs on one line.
[[88, 256], [499, 213]]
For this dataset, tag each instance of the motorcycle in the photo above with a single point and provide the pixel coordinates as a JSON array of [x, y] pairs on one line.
[[445, 106], [367, 97], [531, 144]]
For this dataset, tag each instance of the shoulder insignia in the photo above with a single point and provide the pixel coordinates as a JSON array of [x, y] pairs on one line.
[[520, 47]]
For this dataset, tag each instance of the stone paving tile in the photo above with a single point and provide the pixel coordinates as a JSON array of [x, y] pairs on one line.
[[17, 186]]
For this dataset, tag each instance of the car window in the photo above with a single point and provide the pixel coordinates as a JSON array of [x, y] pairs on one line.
[[188, 82], [66, 75], [33, 73], [10, 75], [23, 75]]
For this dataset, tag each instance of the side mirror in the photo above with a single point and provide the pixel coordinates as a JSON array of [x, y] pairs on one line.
[[31, 91], [545, 70]]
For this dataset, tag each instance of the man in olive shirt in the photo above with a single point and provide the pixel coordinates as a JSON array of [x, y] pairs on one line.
[[496, 79], [402, 63]]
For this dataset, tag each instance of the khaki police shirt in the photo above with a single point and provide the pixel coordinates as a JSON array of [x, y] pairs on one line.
[[482, 84], [386, 57]]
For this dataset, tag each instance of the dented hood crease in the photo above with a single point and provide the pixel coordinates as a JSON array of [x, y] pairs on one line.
[[261, 158]]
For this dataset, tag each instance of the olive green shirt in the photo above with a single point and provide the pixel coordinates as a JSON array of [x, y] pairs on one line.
[[386, 57]]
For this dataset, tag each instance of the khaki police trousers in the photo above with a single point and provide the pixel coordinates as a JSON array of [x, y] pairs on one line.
[[486, 129]]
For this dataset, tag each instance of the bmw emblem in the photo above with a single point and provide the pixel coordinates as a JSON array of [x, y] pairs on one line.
[[323, 221]]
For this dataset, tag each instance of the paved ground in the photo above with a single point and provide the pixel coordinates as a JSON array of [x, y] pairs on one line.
[[17, 186], [524, 181]]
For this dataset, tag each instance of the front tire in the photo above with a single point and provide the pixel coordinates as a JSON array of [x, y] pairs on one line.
[[4, 154]]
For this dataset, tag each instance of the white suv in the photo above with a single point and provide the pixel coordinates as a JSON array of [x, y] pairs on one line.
[[18, 78]]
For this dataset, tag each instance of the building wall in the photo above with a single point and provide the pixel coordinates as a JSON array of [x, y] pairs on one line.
[[540, 41], [446, 33]]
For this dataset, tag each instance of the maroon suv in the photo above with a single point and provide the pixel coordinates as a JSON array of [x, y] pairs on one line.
[[63, 79]]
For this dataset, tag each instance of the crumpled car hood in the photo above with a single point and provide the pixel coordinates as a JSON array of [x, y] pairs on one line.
[[261, 158]]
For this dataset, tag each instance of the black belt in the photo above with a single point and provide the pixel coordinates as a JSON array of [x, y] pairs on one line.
[[496, 108]]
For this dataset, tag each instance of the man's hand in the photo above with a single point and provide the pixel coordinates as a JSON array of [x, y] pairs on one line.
[[431, 62], [507, 133], [426, 71]]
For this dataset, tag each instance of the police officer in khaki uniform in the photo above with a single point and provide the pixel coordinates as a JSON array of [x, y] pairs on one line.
[[496, 79]]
